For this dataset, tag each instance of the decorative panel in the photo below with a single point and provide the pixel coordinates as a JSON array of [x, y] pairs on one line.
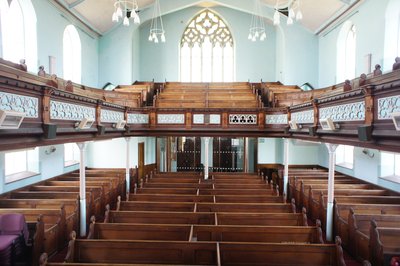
[[344, 112], [276, 119], [387, 106], [20, 103], [242, 119], [171, 119], [198, 119], [215, 119], [138, 118], [69, 111], [303, 117], [108, 116]]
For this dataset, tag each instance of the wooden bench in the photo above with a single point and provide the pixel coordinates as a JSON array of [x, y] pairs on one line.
[[54, 226], [341, 214], [384, 244], [359, 231], [263, 219], [148, 217], [170, 198]]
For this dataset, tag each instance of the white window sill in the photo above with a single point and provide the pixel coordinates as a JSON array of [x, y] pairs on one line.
[[19, 176], [345, 165], [70, 163], [391, 178]]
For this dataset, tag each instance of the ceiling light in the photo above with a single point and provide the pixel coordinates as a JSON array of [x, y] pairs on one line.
[[126, 9], [157, 27], [257, 26]]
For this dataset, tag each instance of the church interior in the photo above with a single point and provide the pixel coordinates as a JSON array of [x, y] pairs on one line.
[[199, 132]]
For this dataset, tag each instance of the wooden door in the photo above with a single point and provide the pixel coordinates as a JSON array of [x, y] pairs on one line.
[[141, 159]]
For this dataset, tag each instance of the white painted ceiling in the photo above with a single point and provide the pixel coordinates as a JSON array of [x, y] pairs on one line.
[[97, 13]]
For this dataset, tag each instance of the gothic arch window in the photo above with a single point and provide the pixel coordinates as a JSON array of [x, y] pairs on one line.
[[207, 50], [18, 32], [72, 54], [392, 33], [346, 52]]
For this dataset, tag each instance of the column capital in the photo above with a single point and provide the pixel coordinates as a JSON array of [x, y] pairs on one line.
[[127, 139], [81, 145], [331, 147]]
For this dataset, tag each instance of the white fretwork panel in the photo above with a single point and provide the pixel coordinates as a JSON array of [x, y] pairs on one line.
[[276, 119], [387, 106], [69, 111], [20, 103], [171, 119], [138, 118], [242, 119], [303, 117], [198, 119], [108, 116], [345, 112]]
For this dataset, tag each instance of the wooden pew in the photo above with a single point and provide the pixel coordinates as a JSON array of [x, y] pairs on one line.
[[54, 226], [156, 206], [171, 198], [233, 253], [359, 231], [160, 217], [384, 244], [263, 234], [341, 214], [71, 208], [246, 208], [263, 219]]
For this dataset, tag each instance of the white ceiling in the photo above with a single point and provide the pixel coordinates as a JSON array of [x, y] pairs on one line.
[[97, 13]]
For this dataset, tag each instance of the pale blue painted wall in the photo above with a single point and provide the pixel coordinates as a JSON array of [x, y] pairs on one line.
[[364, 167], [51, 24], [369, 20], [270, 150], [50, 165], [112, 153], [254, 60]]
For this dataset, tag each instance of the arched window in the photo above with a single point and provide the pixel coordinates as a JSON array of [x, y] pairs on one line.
[[207, 52], [72, 54], [18, 30], [392, 34], [346, 53]]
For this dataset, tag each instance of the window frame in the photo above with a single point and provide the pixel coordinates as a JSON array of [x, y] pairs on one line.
[[342, 154], [31, 156], [393, 176], [348, 30], [72, 54], [194, 39]]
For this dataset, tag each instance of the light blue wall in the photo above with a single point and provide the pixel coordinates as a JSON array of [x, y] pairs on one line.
[[254, 60], [365, 167], [50, 165], [270, 150], [369, 20], [51, 24], [112, 153]]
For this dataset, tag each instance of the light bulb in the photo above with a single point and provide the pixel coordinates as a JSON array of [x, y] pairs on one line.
[[114, 17], [291, 13], [156, 39], [154, 35], [289, 21], [263, 36], [256, 34], [126, 21], [299, 15], [250, 37], [254, 38], [136, 18], [276, 18], [119, 12], [150, 37], [163, 38]]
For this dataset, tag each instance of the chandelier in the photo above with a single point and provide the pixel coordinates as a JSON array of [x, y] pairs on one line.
[[126, 9], [157, 27], [257, 26], [293, 9]]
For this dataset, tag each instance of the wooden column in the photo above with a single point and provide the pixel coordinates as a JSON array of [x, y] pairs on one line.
[[331, 187], [82, 188], [127, 176]]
